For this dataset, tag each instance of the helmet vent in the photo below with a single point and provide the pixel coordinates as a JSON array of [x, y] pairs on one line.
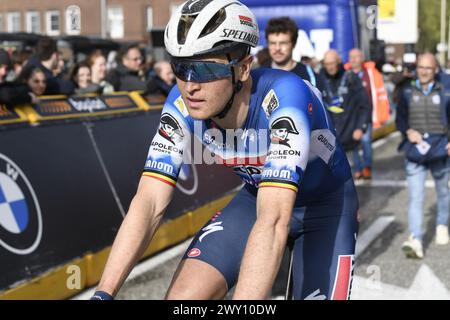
[[214, 23], [184, 25]]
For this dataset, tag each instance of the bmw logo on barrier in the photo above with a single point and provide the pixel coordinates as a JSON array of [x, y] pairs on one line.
[[20, 214]]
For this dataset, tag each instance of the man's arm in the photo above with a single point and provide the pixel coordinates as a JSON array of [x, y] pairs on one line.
[[136, 232], [363, 105], [266, 243]]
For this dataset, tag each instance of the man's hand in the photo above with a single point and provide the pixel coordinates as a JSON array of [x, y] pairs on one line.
[[358, 134], [414, 136]]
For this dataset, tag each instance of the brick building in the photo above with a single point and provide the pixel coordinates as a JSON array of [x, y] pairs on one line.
[[121, 20]]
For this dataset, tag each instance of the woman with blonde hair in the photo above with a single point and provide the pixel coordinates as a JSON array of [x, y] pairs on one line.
[[97, 62]]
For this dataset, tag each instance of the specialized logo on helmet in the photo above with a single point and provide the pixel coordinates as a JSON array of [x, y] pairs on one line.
[[270, 103], [280, 130], [240, 35], [170, 129], [20, 214]]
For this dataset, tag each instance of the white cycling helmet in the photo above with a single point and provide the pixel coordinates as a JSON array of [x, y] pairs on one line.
[[210, 26]]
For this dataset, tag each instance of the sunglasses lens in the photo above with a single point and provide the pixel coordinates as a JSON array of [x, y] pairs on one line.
[[200, 71]]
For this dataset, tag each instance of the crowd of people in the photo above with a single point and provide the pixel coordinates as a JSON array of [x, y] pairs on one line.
[[26, 75], [354, 94]]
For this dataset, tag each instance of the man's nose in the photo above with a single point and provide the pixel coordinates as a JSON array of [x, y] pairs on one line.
[[192, 86]]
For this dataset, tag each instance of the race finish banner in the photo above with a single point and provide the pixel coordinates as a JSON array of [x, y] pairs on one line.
[[322, 24], [65, 188]]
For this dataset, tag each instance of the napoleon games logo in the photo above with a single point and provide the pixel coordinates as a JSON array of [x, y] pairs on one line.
[[280, 130], [170, 129], [20, 214]]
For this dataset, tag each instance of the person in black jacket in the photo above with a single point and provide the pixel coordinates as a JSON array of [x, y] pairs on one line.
[[346, 99], [47, 58], [163, 80], [11, 93], [128, 75], [281, 36]]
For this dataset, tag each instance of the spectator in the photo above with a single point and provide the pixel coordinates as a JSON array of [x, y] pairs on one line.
[[34, 77], [81, 77], [263, 57], [97, 62], [11, 94], [46, 58], [164, 79], [281, 36], [18, 60], [127, 75], [423, 112], [60, 68], [372, 81], [346, 100], [14, 93], [5, 62]]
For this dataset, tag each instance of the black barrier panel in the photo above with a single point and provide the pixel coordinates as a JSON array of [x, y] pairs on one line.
[[7, 114], [154, 100], [124, 144], [51, 107], [55, 202]]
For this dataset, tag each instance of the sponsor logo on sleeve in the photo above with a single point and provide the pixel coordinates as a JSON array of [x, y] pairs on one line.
[[276, 174], [179, 103], [170, 129], [281, 129], [323, 144], [270, 103]]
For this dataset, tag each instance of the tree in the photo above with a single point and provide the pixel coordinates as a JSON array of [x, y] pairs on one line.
[[430, 24]]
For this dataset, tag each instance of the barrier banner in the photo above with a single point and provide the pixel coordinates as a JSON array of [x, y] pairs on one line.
[[62, 107]]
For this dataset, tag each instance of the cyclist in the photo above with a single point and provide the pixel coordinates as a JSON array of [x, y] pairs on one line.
[[298, 183]]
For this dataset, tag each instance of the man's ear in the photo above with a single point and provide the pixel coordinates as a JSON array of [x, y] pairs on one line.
[[245, 66]]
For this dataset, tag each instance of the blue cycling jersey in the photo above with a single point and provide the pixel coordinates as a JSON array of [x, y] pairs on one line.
[[287, 141]]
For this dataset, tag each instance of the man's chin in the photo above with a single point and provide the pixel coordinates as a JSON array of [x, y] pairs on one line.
[[199, 115]]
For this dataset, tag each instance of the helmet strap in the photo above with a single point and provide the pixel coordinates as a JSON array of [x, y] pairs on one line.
[[237, 86]]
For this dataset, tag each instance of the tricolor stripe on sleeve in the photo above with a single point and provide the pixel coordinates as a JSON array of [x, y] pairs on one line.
[[279, 184], [160, 176]]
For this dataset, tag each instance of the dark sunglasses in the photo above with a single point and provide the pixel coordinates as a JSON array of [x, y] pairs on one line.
[[201, 71]]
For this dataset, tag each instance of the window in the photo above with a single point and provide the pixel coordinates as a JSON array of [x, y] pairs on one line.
[[149, 18], [73, 20], [33, 22], [115, 22], [52, 23], [14, 22]]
